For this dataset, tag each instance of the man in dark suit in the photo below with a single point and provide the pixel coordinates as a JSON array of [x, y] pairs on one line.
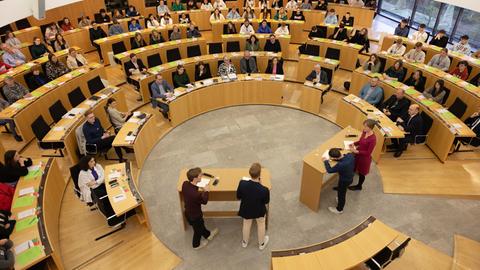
[[440, 39], [272, 45], [473, 122], [160, 88], [96, 32], [412, 125], [345, 168], [395, 106], [317, 75], [134, 66], [248, 64]]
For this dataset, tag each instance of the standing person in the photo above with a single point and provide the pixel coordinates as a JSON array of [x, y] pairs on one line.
[[363, 149], [345, 168], [194, 199], [254, 196]]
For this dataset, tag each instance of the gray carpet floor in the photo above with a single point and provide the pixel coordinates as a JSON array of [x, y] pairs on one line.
[[278, 138]]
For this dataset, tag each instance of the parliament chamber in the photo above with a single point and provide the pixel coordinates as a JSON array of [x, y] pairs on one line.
[[110, 111]]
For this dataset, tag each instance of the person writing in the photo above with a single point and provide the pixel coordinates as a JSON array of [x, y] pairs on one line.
[[15, 167], [396, 105], [163, 90], [193, 199], [372, 93], [91, 179], [253, 198], [345, 168]]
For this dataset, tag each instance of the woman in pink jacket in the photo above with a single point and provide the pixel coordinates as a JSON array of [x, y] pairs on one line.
[[363, 149]]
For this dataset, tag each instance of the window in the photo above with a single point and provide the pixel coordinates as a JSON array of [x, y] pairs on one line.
[[469, 24], [398, 9], [426, 13], [448, 16]]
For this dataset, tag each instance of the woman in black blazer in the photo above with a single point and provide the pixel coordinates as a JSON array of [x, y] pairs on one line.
[[278, 67], [417, 80], [254, 197], [14, 168], [202, 72]]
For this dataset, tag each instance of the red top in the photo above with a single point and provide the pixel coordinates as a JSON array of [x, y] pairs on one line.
[[365, 148], [4, 67], [462, 75], [67, 27]]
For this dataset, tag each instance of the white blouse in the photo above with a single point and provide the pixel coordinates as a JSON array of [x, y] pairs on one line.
[[85, 177]]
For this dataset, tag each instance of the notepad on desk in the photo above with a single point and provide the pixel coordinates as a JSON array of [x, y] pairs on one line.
[[25, 191], [26, 213], [130, 138], [119, 198], [347, 144], [203, 183]]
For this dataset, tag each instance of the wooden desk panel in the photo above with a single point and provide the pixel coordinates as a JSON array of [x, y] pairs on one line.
[[348, 51], [79, 37], [106, 43], [27, 34], [363, 16], [283, 39], [200, 17], [445, 125], [307, 62]]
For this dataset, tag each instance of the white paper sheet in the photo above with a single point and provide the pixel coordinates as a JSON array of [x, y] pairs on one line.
[[347, 144], [25, 191], [26, 213], [23, 246], [119, 198], [203, 183]]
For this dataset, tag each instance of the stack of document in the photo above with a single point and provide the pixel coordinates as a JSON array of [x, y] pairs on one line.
[[232, 76], [203, 183]]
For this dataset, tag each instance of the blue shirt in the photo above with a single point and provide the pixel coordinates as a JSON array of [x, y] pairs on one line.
[[264, 30], [12, 58], [344, 167], [374, 97], [331, 19], [134, 27], [93, 132]]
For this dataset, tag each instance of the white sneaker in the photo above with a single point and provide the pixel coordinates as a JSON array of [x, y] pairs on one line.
[[265, 242], [212, 234], [334, 210], [202, 245], [244, 244]]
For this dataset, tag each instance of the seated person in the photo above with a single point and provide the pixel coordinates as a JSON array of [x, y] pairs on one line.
[[166, 20], [193, 32], [420, 35], [14, 91], [152, 22], [75, 60], [185, 20], [115, 29], [476, 80], [361, 38], [417, 80], [395, 72], [175, 35], [441, 60], [217, 15], [134, 26], [134, 66], [248, 14], [7, 221], [11, 40], [473, 122], [132, 11], [37, 78], [91, 179], [162, 8], [347, 20], [15, 167], [314, 33], [117, 117], [340, 33], [247, 28], [281, 15], [60, 43], [282, 30], [55, 68], [396, 105], [372, 93], [252, 44], [476, 54], [461, 71], [103, 18], [4, 68], [321, 5], [440, 39], [412, 125], [202, 72], [160, 88], [191, 5], [317, 75], [331, 17], [306, 5], [180, 77], [177, 6], [95, 134], [39, 49], [156, 37], [266, 14], [462, 46], [248, 64], [138, 41], [372, 64], [297, 15], [233, 14], [264, 28], [274, 67], [397, 48], [402, 29], [84, 22], [8, 259], [219, 4], [231, 29], [226, 68], [291, 5], [416, 54], [356, 3], [436, 93], [117, 14], [272, 45], [96, 32]]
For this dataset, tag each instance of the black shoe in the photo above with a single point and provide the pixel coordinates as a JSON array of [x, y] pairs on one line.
[[335, 188], [392, 146], [122, 160], [398, 154], [18, 138], [165, 115], [129, 150], [356, 187]]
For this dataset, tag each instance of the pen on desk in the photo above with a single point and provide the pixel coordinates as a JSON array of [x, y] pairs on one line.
[[32, 220]]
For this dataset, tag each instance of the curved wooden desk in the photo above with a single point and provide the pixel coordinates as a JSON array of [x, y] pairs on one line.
[[106, 43], [445, 127], [26, 110], [27, 34], [307, 62], [348, 51], [468, 93], [350, 249], [162, 48], [200, 17], [431, 50], [38, 238], [167, 69], [241, 39], [363, 15]]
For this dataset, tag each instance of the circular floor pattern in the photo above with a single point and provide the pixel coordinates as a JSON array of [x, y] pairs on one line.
[[279, 137]]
